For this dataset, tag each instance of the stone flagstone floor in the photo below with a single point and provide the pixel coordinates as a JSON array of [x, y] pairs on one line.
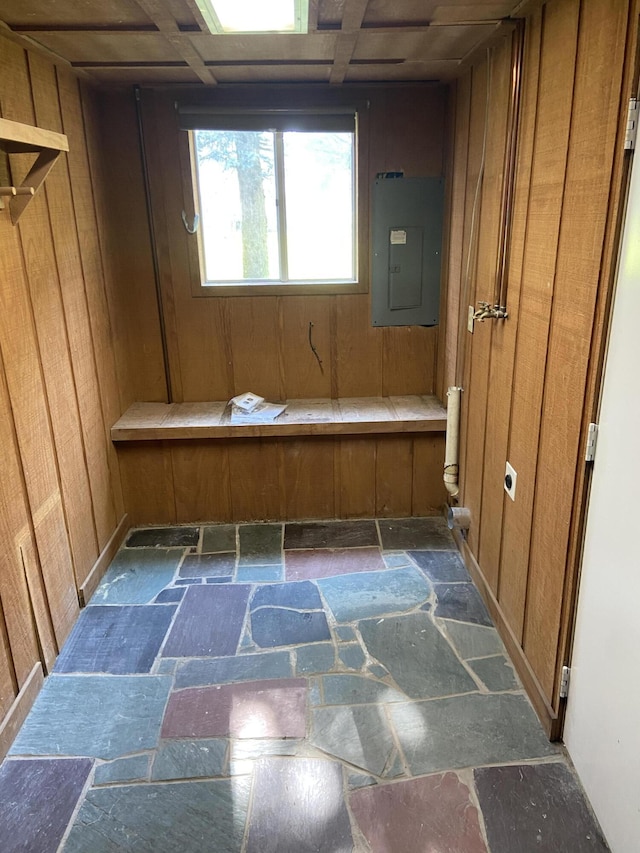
[[269, 688]]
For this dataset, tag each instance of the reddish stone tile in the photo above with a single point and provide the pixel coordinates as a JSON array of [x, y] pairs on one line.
[[433, 813], [254, 709], [324, 563]]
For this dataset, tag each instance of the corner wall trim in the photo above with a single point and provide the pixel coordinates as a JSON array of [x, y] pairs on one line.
[[102, 563], [548, 717], [20, 708]]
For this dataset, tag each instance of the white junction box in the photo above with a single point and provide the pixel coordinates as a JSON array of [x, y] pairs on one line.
[[510, 480]]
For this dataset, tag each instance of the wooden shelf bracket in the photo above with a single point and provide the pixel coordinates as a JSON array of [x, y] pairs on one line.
[[16, 138]]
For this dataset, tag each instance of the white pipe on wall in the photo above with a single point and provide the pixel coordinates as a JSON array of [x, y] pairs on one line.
[[451, 450]]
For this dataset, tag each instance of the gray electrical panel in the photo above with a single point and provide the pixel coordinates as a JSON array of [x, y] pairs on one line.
[[406, 251]]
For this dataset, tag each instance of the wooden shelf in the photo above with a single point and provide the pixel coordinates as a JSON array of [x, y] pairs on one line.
[[16, 138], [346, 416]]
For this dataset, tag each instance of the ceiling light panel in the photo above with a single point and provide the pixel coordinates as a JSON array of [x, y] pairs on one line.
[[255, 16]]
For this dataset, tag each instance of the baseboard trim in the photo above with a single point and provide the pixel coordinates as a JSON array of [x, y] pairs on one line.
[[21, 706], [548, 717], [102, 563]]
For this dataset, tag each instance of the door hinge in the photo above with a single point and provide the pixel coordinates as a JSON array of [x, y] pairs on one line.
[[632, 125], [592, 439], [564, 682]]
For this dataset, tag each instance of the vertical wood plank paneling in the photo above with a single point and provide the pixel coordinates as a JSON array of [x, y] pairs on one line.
[[504, 334], [590, 160], [303, 376], [26, 388], [147, 482], [201, 481], [308, 473], [254, 329], [90, 255], [257, 488], [428, 492], [359, 354], [557, 65], [8, 682], [408, 360], [356, 478], [394, 476]]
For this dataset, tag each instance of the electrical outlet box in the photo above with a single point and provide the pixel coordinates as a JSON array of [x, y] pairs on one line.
[[470, 320], [510, 480]]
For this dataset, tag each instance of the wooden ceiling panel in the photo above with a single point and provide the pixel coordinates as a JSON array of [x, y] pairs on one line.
[[433, 44], [407, 72], [72, 13], [320, 46], [452, 13], [183, 14], [144, 76], [330, 12], [109, 47], [273, 74]]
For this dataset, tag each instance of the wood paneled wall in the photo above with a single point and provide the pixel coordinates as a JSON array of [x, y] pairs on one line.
[[221, 346], [61, 499], [529, 381]]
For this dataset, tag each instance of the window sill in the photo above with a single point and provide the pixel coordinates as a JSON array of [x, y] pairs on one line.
[[332, 288]]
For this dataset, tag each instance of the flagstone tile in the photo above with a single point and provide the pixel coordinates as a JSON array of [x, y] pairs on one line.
[[135, 768], [38, 798], [357, 690], [396, 559], [327, 562], [416, 654], [378, 671], [189, 759], [163, 537], [345, 633], [352, 656], [299, 807], [104, 716], [253, 709], [119, 640], [352, 597], [473, 641], [360, 780], [172, 595], [441, 566], [196, 673], [209, 621], [318, 657], [357, 734], [208, 565], [222, 579], [462, 602], [299, 596], [260, 574], [275, 626], [496, 673], [136, 576], [197, 817], [260, 544], [466, 731], [330, 534], [187, 581], [406, 534], [218, 537], [418, 815], [542, 805]]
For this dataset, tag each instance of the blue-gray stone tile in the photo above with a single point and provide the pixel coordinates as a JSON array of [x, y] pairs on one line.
[[275, 626], [250, 667], [473, 641], [330, 534], [315, 817], [118, 640], [467, 731], [462, 602], [104, 716], [185, 759], [172, 595], [396, 559], [218, 537], [542, 805], [37, 800], [137, 576], [187, 581], [222, 579], [352, 656], [357, 734], [260, 544], [135, 768], [302, 595], [358, 596], [357, 690], [360, 780], [260, 574], [441, 566], [315, 695], [496, 673], [208, 565], [198, 817], [406, 534], [209, 621], [163, 537], [416, 654], [165, 666], [345, 633], [378, 671], [318, 657]]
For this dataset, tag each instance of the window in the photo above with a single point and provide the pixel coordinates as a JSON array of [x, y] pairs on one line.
[[277, 205]]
